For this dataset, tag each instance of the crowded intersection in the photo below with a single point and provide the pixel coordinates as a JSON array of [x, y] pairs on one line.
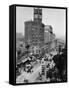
[[38, 69]]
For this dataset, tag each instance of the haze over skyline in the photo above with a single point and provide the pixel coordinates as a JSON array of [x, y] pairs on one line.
[[54, 17]]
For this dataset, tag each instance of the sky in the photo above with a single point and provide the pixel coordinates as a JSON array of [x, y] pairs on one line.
[[54, 17]]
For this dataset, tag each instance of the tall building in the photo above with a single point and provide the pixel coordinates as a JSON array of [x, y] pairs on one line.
[[34, 30], [48, 34], [38, 14], [49, 38]]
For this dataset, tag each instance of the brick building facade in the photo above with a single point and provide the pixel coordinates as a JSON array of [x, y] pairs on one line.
[[34, 30]]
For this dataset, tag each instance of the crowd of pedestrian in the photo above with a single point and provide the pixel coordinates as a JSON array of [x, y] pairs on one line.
[[55, 66]]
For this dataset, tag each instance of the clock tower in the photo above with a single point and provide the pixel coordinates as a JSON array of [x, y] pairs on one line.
[[38, 14]]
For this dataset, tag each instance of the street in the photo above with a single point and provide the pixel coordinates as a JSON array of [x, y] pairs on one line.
[[31, 77]]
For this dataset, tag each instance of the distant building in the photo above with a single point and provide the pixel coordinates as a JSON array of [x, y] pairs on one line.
[[19, 41], [19, 37], [48, 34], [59, 44], [34, 30], [49, 38], [20, 44]]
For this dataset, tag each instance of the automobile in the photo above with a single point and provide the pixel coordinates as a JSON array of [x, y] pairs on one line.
[[26, 80], [28, 68]]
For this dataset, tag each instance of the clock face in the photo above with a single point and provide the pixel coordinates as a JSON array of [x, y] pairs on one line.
[[36, 16]]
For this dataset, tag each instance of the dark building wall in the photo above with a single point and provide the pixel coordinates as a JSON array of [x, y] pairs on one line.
[[34, 33]]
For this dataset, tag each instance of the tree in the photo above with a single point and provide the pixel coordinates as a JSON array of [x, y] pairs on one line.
[[59, 48], [61, 62]]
